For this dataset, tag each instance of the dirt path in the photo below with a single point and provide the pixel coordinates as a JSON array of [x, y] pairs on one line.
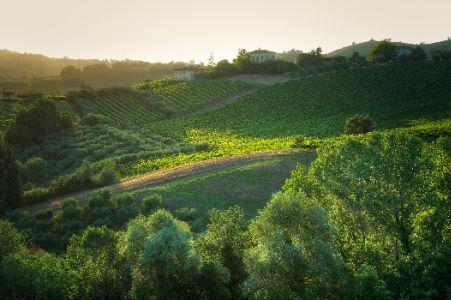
[[164, 176]]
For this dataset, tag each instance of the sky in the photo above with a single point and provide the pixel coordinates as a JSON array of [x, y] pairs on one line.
[[181, 30]]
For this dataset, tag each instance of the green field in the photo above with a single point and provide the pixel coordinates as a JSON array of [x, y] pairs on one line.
[[318, 106], [248, 185]]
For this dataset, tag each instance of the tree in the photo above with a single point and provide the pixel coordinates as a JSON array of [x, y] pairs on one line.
[[418, 53], [243, 61], [225, 241], [70, 72], [355, 58], [359, 124], [211, 60], [10, 180], [11, 241], [35, 169], [384, 51], [167, 267], [32, 125], [293, 253], [390, 184], [98, 246], [310, 59]]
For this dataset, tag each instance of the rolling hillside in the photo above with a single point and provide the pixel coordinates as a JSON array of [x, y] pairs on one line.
[[394, 95], [182, 96], [365, 47]]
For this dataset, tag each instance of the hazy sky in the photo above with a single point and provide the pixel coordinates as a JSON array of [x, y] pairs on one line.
[[164, 30]]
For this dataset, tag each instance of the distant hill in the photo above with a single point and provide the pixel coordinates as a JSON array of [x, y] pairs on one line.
[[15, 65], [365, 47]]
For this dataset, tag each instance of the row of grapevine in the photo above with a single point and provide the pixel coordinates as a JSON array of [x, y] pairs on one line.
[[318, 106], [185, 96]]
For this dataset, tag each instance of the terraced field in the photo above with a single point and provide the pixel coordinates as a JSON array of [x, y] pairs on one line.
[[185, 96], [318, 106]]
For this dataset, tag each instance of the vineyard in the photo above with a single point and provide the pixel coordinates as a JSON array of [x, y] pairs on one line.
[[318, 106], [184, 96], [119, 105]]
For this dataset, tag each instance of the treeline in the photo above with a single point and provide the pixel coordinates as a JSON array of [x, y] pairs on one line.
[[115, 73], [306, 63], [15, 65], [380, 230]]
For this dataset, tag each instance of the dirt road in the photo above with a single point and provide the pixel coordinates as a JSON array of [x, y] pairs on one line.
[[163, 176]]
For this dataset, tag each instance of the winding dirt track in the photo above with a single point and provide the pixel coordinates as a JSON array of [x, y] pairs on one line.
[[164, 176]]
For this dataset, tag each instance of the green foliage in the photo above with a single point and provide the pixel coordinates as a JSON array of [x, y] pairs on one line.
[[368, 285], [186, 213], [384, 51], [35, 169], [151, 203], [11, 241], [10, 180], [91, 119], [311, 59], [359, 124], [387, 210], [32, 125], [224, 242], [166, 268], [99, 247], [418, 53], [293, 254]]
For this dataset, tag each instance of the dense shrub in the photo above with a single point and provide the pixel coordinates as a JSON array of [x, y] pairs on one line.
[[186, 213], [10, 180], [39, 121], [35, 169], [91, 119], [359, 124], [151, 203]]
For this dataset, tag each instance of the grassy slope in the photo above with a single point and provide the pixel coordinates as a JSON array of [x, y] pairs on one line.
[[318, 106], [250, 185]]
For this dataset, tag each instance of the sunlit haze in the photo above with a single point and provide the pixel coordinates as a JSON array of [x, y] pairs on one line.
[[166, 30]]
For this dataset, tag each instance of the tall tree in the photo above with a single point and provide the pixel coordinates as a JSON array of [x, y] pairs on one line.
[[10, 180], [384, 51]]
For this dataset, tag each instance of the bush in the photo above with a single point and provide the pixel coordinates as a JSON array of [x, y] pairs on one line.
[[36, 195], [151, 203], [30, 126], [91, 119], [186, 213], [10, 180], [105, 177], [36, 169], [359, 124]]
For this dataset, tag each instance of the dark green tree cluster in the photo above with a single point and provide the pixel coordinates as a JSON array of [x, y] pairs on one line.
[[368, 220], [10, 179], [52, 230], [242, 64], [32, 125]]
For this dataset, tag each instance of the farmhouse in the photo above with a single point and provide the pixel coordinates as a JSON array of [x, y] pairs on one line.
[[187, 73], [261, 56]]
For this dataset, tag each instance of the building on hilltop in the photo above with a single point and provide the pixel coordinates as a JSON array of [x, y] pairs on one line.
[[187, 73], [261, 56]]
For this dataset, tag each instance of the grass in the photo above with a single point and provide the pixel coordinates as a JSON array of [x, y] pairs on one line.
[[248, 185]]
